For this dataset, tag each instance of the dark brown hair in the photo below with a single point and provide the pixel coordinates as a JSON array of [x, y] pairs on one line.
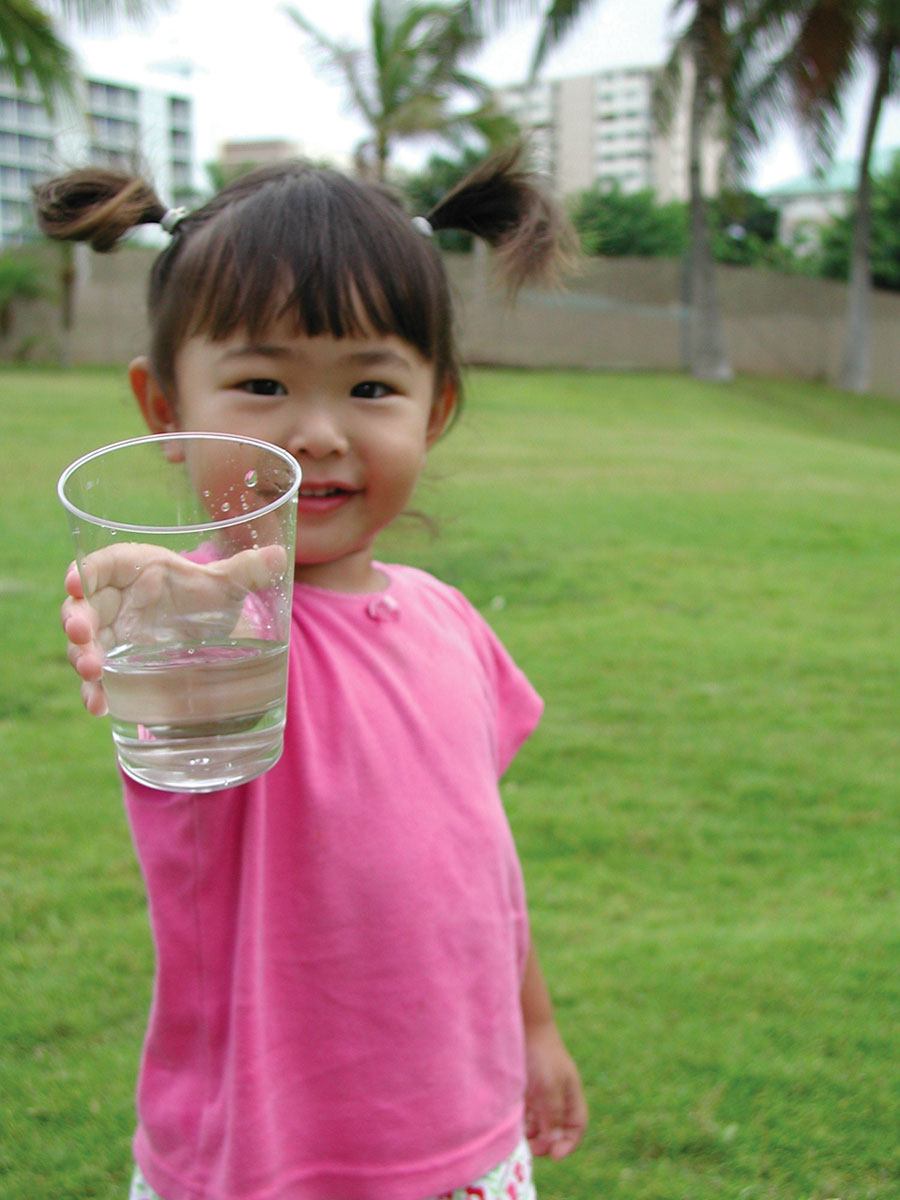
[[336, 255]]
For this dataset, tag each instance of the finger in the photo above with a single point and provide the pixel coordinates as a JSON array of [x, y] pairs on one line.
[[94, 699], [562, 1144], [73, 582], [105, 604], [539, 1127], [117, 566], [532, 1123], [540, 1144], [86, 660], [252, 570], [570, 1129], [79, 621]]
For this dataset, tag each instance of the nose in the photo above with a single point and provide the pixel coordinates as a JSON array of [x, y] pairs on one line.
[[317, 433]]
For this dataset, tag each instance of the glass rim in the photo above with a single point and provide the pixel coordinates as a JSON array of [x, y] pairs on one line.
[[201, 527]]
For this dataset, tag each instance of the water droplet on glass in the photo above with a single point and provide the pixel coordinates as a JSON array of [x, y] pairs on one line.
[[206, 493], [203, 761], [226, 507], [251, 479]]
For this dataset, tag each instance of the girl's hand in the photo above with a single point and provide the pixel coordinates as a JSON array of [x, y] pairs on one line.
[[555, 1107], [136, 587], [79, 622]]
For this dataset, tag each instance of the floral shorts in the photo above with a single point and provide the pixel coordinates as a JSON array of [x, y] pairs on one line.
[[511, 1180]]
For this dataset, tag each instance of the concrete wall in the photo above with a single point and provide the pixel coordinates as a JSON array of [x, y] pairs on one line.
[[616, 314], [627, 314], [109, 312]]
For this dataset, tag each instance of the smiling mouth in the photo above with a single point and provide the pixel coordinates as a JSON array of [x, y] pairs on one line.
[[322, 493]]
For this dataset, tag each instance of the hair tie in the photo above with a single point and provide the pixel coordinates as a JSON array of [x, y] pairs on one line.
[[171, 218], [423, 225]]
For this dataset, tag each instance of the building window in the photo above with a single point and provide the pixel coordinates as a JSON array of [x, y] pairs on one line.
[[110, 98], [13, 212], [180, 111], [33, 149], [30, 116]]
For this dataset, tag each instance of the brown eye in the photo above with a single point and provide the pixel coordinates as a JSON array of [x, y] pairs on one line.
[[371, 389], [262, 387]]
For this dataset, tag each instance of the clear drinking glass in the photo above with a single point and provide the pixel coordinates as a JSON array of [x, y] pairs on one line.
[[185, 547]]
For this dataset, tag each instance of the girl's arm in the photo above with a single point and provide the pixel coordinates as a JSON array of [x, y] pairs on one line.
[[555, 1107]]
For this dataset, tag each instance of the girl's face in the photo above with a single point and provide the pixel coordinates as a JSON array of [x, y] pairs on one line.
[[358, 414]]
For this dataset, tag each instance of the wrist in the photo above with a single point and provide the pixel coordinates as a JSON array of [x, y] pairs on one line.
[[540, 1026]]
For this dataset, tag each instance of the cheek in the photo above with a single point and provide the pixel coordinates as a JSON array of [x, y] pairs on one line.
[[229, 481], [403, 458]]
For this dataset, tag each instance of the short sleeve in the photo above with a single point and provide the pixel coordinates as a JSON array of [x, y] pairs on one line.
[[516, 704]]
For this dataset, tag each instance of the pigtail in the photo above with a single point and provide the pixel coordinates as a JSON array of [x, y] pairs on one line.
[[96, 206], [507, 207]]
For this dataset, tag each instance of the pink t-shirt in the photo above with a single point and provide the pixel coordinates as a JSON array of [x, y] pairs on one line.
[[340, 943]]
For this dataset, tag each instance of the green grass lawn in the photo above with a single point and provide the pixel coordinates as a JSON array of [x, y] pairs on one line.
[[703, 583]]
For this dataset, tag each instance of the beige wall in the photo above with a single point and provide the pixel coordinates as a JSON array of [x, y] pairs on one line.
[[617, 314], [626, 314]]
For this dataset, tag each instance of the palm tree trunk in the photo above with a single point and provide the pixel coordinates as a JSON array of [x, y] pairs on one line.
[[382, 154], [855, 364], [706, 348], [68, 277]]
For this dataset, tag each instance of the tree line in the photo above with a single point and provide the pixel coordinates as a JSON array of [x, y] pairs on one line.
[[744, 231]]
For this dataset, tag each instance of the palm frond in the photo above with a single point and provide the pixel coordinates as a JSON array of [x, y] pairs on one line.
[[418, 116], [557, 23], [666, 90], [30, 49], [471, 84], [491, 15], [496, 127], [103, 14]]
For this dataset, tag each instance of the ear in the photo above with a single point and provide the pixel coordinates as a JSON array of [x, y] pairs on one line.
[[441, 411], [154, 403]]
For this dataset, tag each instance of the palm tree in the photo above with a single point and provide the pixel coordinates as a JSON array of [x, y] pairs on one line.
[[712, 48], [709, 59], [32, 48], [826, 41], [403, 83]]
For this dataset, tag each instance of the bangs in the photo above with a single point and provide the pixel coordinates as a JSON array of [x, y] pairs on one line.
[[314, 249]]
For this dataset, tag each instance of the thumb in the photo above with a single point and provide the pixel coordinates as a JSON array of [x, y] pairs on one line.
[[570, 1119], [251, 570]]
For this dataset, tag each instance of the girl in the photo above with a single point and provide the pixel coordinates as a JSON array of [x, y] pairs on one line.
[[347, 1005]]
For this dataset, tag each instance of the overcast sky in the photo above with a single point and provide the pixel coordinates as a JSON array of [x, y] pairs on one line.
[[256, 77]]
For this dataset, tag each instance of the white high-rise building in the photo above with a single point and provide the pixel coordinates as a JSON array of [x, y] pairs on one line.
[[600, 129], [116, 123]]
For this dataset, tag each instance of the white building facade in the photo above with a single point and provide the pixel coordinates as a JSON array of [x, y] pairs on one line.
[[117, 123], [600, 130]]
